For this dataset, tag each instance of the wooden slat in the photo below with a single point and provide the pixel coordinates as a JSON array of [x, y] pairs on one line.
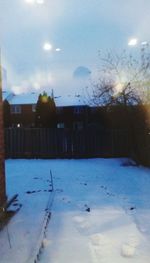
[[52, 143]]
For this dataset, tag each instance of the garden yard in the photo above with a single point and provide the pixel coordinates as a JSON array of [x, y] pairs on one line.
[[98, 212]]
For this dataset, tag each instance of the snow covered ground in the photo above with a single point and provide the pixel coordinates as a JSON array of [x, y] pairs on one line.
[[100, 211]]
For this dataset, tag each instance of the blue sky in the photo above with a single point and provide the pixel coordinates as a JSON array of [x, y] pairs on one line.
[[79, 28]]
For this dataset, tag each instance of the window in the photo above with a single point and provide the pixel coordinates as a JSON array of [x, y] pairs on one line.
[[78, 125], [78, 110], [16, 125], [60, 125], [16, 109], [93, 109], [34, 108], [59, 110]]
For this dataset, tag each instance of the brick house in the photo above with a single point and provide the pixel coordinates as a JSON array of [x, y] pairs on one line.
[[71, 113]]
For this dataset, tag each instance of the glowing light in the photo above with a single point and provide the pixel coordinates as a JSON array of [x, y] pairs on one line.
[[133, 42], [144, 43], [30, 1], [44, 99], [118, 88], [40, 2], [47, 46], [57, 49]]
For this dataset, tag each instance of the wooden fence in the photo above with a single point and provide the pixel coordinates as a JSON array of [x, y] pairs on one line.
[[61, 143], [142, 147]]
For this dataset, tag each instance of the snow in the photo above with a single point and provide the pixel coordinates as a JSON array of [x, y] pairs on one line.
[[7, 95], [100, 211], [70, 100], [25, 98], [31, 98]]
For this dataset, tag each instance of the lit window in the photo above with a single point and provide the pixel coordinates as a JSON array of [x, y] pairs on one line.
[[60, 125]]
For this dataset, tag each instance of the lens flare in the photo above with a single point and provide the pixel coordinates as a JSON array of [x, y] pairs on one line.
[[40, 2], [133, 42], [47, 46], [30, 1], [57, 49], [118, 88]]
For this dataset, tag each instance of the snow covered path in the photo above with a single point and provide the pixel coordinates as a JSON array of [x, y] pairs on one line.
[[100, 213]]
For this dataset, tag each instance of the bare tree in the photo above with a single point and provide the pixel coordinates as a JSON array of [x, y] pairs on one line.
[[123, 79], [123, 88]]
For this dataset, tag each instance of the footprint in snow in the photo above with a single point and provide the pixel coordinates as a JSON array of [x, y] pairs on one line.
[[37, 191], [46, 242], [59, 190], [98, 244], [28, 192], [127, 251], [132, 208], [15, 204], [129, 248], [129, 208], [66, 199], [81, 223]]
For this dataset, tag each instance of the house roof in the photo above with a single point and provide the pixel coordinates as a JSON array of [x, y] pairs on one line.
[[31, 98], [69, 100], [25, 98], [7, 95]]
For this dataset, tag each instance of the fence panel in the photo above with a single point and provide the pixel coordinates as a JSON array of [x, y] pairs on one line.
[[142, 147], [61, 143]]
